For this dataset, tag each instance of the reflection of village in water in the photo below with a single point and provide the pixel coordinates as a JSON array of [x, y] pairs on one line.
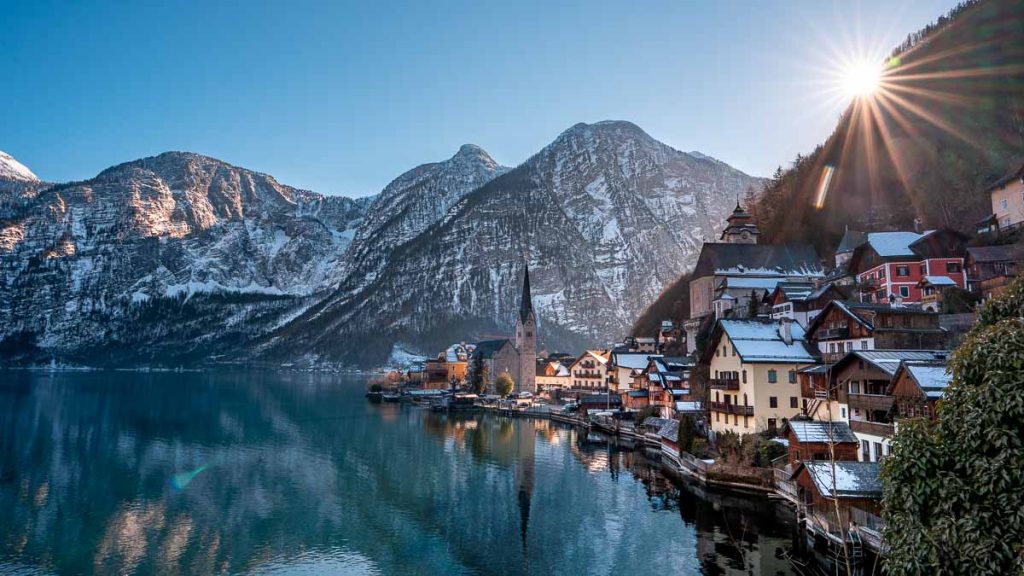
[[735, 533]]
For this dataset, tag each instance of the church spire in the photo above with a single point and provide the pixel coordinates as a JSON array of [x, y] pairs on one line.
[[526, 304]]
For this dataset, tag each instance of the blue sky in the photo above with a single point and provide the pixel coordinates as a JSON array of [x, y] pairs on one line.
[[342, 97]]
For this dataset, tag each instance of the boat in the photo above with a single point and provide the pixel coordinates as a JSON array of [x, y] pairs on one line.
[[375, 396], [392, 397]]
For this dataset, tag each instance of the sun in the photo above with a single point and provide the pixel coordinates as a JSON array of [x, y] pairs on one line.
[[861, 78]]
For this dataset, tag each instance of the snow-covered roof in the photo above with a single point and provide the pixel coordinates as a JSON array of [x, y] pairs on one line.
[[889, 244], [655, 422], [765, 260], [814, 431], [688, 407], [670, 431], [632, 360], [933, 378], [850, 479], [761, 341], [939, 280], [889, 361], [749, 283]]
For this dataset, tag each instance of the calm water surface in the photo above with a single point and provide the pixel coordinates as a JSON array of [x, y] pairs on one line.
[[270, 473]]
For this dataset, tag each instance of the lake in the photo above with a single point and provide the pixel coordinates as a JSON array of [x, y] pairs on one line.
[[287, 473]]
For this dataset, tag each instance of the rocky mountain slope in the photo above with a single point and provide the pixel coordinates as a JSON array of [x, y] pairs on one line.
[[183, 259], [80, 262], [605, 215]]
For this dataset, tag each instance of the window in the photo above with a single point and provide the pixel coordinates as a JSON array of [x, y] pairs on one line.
[[744, 376], [771, 425], [903, 270], [717, 353], [792, 378], [924, 269], [952, 267], [773, 376], [773, 402], [878, 451], [718, 416], [793, 403], [529, 334], [734, 351], [863, 344], [716, 396], [842, 412], [881, 272], [865, 451], [1004, 204], [905, 291], [735, 420]]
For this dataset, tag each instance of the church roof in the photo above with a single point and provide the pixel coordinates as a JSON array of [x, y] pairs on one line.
[[526, 302], [488, 348], [758, 260]]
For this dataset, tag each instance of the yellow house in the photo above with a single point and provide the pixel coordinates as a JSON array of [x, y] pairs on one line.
[[753, 367], [1008, 199]]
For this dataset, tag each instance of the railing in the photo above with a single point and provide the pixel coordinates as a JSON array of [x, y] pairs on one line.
[[822, 394], [785, 486], [732, 408], [833, 333], [832, 357], [725, 383], [870, 401], [870, 527], [872, 428]]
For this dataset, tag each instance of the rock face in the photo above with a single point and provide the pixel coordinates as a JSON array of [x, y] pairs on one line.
[[80, 262], [605, 215], [181, 258]]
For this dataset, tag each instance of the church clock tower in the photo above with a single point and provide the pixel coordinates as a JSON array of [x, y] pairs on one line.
[[526, 340]]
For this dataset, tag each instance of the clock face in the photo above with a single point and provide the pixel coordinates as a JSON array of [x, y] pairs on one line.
[[744, 234]]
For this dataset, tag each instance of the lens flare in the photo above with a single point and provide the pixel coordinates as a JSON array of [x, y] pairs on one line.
[[861, 78]]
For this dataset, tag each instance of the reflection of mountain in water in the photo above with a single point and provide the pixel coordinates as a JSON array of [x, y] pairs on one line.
[[300, 470]]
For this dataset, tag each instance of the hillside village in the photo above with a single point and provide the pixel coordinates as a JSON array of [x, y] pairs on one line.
[[814, 362]]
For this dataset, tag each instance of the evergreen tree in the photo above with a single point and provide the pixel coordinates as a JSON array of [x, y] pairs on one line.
[[954, 487]]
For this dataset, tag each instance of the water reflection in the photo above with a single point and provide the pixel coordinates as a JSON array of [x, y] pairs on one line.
[[278, 473]]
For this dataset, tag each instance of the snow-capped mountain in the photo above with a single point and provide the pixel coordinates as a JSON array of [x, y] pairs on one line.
[[605, 215], [411, 203], [14, 171], [79, 260], [181, 258]]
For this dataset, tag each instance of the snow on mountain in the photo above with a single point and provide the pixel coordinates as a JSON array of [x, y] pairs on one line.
[[77, 258], [605, 214], [184, 259], [12, 170]]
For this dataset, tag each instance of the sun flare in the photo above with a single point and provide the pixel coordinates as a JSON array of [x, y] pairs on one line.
[[861, 78]]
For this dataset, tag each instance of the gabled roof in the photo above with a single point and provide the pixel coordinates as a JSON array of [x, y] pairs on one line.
[[851, 240], [488, 348], [632, 360], [850, 308], [893, 244], [888, 361], [759, 340], [844, 479], [931, 377], [757, 260], [670, 431], [655, 422], [1017, 171], [744, 283], [1004, 253], [814, 431]]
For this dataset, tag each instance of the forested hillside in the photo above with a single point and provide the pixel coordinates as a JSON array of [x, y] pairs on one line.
[[948, 121]]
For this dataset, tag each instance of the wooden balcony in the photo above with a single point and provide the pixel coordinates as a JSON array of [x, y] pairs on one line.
[[834, 333], [832, 357], [725, 384], [872, 428], [732, 408], [870, 401]]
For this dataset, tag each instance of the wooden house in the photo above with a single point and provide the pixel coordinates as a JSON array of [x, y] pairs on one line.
[[817, 440], [834, 494], [991, 268], [844, 326], [801, 301], [918, 387]]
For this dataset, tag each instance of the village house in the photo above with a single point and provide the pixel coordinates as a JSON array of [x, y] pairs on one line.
[[731, 273], [668, 334], [590, 403], [851, 240], [918, 387], [1007, 197], [623, 367], [753, 365], [667, 381], [590, 371], [843, 326], [991, 268], [853, 489], [552, 375], [801, 301], [931, 288], [888, 265], [819, 440], [862, 381]]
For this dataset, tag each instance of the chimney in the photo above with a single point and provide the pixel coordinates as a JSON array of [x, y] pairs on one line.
[[786, 330]]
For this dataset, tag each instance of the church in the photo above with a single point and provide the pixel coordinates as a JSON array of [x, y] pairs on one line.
[[517, 357]]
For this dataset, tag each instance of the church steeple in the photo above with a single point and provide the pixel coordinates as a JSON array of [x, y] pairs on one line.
[[526, 303], [741, 228]]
